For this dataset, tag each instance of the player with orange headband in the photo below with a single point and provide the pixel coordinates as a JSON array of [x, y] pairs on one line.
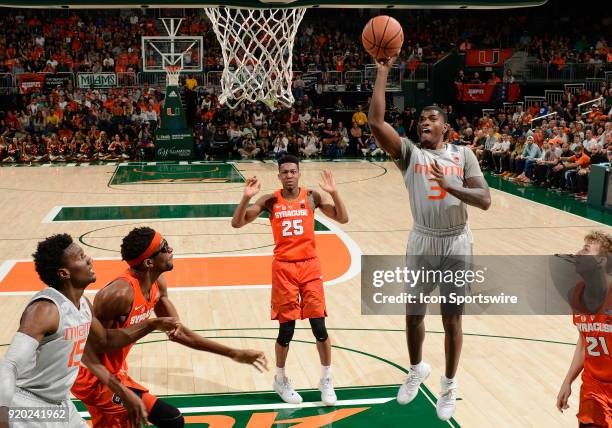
[[131, 298]]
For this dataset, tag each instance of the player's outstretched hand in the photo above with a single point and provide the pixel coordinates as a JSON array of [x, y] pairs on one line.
[[562, 397], [385, 63], [170, 325], [253, 186], [328, 184], [249, 356]]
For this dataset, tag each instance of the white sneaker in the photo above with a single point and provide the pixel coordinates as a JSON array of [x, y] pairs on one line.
[[410, 387], [328, 395], [286, 391], [445, 407]]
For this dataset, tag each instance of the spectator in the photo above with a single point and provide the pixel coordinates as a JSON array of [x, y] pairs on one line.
[[311, 146], [525, 162], [249, 149], [371, 149], [476, 79], [280, 146], [359, 117], [500, 153]]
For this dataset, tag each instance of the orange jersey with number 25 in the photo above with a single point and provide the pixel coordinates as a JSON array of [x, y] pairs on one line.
[[293, 227]]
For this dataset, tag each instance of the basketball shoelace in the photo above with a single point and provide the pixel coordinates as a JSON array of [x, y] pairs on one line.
[[414, 379]]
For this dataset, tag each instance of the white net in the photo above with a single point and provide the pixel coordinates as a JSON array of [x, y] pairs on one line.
[[257, 46], [173, 73]]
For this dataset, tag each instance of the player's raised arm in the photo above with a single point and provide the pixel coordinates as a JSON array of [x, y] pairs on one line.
[[386, 137], [336, 211], [244, 214]]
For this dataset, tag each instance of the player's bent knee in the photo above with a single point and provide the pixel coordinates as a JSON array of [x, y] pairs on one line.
[[318, 329], [414, 320], [164, 415], [285, 333]]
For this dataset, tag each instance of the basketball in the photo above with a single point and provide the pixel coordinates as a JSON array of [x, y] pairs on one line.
[[382, 37]]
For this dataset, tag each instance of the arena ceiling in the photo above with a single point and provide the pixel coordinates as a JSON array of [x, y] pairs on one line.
[[399, 4]]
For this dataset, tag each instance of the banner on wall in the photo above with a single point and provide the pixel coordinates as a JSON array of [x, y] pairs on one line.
[[97, 80], [487, 57], [474, 93], [52, 81], [31, 82]]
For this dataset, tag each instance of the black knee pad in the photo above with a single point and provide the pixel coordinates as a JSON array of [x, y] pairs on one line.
[[285, 333], [164, 415], [318, 329]]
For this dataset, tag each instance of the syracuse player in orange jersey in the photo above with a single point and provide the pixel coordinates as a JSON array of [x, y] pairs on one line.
[[593, 317], [297, 285], [130, 299]]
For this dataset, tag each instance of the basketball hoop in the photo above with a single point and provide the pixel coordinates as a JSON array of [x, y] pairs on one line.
[[172, 74], [257, 47]]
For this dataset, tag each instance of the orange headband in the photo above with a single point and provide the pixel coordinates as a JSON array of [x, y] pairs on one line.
[[147, 253]]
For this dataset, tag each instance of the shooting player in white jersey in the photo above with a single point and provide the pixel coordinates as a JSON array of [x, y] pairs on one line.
[[43, 359], [442, 179]]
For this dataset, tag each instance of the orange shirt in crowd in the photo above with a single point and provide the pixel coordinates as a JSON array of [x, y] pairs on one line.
[[584, 160]]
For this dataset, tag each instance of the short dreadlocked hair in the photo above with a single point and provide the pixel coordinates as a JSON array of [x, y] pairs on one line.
[[136, 242], [48, 258]]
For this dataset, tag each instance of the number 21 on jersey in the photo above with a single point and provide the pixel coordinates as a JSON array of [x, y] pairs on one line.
[[597, 346], [292, 227]]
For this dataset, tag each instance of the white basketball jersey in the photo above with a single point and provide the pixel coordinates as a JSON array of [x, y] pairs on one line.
[[431, 206], [59, 355]]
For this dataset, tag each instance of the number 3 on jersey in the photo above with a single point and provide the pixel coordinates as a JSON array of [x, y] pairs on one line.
[[440, 192], [292, 227]]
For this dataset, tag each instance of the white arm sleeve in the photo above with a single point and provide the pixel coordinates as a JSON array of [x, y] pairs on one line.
[[20, 358]]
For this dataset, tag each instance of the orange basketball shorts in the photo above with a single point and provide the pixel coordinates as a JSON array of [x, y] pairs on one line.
[[106, 408], [297, 290], [595, 403]]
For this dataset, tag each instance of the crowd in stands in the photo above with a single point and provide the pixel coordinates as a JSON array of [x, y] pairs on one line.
[[253, 131], [118, 124], [81, 125], [554, 152], [32, 40], [74, 125]]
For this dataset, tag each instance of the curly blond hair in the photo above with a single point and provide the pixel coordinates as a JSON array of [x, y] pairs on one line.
[[602, 238]]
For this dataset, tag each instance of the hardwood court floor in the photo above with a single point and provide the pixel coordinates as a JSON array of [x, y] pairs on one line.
[[511, 366]]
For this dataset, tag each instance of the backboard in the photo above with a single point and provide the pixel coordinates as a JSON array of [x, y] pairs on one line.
[[159, 52]]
